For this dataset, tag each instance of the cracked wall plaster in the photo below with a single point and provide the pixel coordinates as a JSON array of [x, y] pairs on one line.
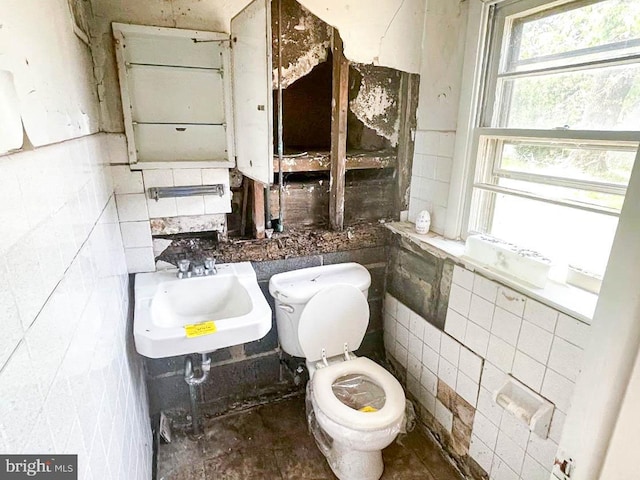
[[305, 42], [376, 104], [57, 100], [388, 35]]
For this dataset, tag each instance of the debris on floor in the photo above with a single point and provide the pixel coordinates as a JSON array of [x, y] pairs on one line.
[[293, 242], [272, 442]]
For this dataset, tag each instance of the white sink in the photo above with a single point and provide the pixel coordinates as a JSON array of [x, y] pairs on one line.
[[218, 311]]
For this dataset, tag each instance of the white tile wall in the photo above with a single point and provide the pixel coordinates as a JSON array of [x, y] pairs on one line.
[[522, 334], [132, 207], [135, 209], [444, 416], [140, 260], [69, 382], [455, 325], [163, 207], [430, 355], [197, 205], [527, 370], [190, 206], [126, 181], [187, 177], [136, 234], [431, 176], [535, 341], [492, 332], [572, 330], [481, 453]]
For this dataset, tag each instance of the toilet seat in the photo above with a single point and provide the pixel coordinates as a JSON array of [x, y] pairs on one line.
[[333, 321], [334, 409]]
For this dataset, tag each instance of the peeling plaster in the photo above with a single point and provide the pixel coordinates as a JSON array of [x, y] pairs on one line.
[[376, 104], [52, 70], [387, 34], [305, 42], [303, 65]]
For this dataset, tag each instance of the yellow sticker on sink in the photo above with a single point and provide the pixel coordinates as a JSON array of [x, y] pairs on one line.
[[200, 329]]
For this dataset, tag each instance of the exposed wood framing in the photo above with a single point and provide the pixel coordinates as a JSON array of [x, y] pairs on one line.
[[245, 199], [339, 107], [321, 161], [307, 203], [257, 202], [409, 83], [367, 200]]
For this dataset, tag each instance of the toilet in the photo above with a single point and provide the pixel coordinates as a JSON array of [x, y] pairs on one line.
[[355, 407]]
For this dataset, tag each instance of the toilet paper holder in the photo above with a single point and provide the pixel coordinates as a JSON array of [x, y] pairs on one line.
[[526, 405]]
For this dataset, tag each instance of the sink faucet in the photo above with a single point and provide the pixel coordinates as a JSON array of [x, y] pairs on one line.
[[210, 266], [183, 269], [187, 269]]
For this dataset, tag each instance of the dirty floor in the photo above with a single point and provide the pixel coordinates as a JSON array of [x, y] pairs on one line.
[[272, 442]]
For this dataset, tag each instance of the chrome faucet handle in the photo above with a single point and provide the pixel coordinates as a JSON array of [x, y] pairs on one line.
[[198, 270], [183, 268], [210, 265]]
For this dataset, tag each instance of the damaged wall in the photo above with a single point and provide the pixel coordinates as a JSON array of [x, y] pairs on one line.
[[144, 221], [305, 38], [454, 350], [376, 101], [388, 35], [259, 371], [307, 81], [57, 98], [70, 379]]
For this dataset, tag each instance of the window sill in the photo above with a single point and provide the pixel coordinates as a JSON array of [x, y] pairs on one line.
[[567, 299]]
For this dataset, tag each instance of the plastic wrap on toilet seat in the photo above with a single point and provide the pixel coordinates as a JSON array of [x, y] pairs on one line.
[[323, 440], [351, 453], [356, 439], [409, 422], [359, 392]]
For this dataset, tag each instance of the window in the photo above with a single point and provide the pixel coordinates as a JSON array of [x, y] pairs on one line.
[[557, 127]]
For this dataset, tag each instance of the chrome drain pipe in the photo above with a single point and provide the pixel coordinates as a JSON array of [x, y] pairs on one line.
[[193, 381]]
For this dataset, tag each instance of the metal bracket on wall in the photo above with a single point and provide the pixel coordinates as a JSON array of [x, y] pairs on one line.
[[186, 191]]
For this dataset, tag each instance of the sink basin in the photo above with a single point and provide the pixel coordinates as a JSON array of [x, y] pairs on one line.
[[200, 314]]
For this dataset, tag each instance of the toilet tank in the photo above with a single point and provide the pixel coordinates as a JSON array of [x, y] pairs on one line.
[[292, 290]]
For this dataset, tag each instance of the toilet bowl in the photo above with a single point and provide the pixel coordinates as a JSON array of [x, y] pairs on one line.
[[357, 407]]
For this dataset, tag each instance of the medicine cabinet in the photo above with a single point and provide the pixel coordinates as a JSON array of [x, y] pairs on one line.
[[196, 99]]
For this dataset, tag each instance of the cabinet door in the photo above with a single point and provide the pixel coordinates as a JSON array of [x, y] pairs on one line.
[[252, 95]]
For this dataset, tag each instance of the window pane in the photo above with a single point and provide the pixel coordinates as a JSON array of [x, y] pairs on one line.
[[599, 99], [585, 32], [566, 235], [567, 161], [598, 199]]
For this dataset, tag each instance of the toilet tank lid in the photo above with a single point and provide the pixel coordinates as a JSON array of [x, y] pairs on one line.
[[298, 286]]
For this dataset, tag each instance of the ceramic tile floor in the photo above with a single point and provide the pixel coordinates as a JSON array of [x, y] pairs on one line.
[[272, 442]]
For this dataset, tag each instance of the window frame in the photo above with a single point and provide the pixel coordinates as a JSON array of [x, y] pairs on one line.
[[485, 41]]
